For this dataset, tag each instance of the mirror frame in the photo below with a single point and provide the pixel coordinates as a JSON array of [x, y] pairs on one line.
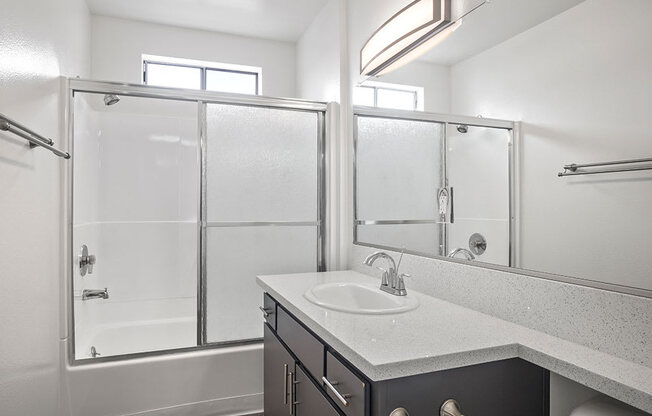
[[514, 200]]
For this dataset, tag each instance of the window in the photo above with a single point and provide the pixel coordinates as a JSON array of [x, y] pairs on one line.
[[212, 76], [400, 97]]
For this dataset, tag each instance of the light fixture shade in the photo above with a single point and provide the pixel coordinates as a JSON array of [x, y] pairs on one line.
[[403, 33]]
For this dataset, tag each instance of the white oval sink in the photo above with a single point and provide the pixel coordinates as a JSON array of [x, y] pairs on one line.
[[359, 298]]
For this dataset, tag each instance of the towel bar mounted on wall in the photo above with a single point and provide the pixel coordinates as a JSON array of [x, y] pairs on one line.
[[34, 139], [632, 165]]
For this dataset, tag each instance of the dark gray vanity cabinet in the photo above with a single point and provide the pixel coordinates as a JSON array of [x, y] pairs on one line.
[[507, 387], [289, 390], [278, 367], [304, 376]]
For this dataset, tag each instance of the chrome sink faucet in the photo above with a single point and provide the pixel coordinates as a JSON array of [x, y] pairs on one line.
[[467, 254], [391, 281]]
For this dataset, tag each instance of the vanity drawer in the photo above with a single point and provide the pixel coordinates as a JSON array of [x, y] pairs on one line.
[[308, 349], [346, 389], [269, 310]]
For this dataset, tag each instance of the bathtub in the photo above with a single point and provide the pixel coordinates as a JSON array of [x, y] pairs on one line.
[[137, 336], [208, 382], [200, 382], [127, 327]]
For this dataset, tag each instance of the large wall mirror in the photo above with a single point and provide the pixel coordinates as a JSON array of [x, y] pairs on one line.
[[479, 181]]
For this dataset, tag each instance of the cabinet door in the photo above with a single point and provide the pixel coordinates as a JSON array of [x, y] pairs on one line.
[[278, 368], [309, 400]]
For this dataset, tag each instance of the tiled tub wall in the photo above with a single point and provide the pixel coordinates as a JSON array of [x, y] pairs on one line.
[[135, 207]]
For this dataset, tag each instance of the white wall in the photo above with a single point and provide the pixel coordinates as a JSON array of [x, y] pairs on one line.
[[322, 76], [318, 56], [432, 77], [118, 46], [583, 94], [39, 41]]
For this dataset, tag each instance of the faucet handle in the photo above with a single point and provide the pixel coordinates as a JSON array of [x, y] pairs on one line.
[[401, 281], [90, 263], [385, 278]]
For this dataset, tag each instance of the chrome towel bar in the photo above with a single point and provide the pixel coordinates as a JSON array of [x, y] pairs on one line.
[[34, 139], [631, 165]]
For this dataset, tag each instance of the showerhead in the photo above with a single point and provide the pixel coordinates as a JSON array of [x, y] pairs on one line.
[[110, 99], [462, 128]]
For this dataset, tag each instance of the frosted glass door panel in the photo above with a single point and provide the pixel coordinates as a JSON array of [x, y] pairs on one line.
[[398, 169], [261, 164], [421, 238], [236, 256]]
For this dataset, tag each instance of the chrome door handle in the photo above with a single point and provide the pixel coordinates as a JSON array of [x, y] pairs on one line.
[[341, 397], [285, 384], [266, 312], [292, 398]]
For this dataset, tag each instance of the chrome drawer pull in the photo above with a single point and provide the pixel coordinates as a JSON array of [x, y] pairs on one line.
[[266, 312], [341, 397]]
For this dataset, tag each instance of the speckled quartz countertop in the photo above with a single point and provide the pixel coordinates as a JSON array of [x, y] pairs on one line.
[[440, 335]]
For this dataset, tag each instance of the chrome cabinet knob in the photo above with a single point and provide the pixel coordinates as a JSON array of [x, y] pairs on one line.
[[450, 408], [399, 412]]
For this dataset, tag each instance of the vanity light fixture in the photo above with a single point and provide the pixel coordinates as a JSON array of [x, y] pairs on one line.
[[408, 34]]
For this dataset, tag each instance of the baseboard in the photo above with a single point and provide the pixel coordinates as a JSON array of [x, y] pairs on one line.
[[249, 405]]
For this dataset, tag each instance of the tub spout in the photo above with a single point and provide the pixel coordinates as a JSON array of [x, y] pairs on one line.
[[88, 294]]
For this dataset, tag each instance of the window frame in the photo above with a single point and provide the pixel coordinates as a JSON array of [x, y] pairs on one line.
[[204, 67], [417, 92]]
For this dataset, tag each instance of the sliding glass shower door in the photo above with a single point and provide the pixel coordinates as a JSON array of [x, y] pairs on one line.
[[179, 200], [262, 209]]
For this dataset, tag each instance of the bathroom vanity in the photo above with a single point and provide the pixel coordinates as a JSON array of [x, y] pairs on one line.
[[322, 359], [308, 375]]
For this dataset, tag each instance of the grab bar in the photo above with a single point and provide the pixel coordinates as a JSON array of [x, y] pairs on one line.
[[35, 139]]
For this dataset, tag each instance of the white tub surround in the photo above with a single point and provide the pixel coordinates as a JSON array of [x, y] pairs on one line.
[[212, 382], [440, 335]]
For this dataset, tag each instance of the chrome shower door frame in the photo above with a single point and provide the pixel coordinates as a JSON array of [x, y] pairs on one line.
[[445, 120], [71, 86]]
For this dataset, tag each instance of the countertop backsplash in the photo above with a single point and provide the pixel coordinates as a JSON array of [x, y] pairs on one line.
[[610, 322]]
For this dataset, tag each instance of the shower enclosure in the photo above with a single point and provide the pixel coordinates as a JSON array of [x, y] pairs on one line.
[[435, 184], [178, 199]]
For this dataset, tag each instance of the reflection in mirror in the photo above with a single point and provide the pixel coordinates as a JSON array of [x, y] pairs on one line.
[[398, 172], [433, 187], [576, 76], [477, 168]]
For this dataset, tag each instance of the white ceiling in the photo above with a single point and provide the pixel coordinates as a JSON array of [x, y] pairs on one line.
[[282, 20], [493, 23]]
